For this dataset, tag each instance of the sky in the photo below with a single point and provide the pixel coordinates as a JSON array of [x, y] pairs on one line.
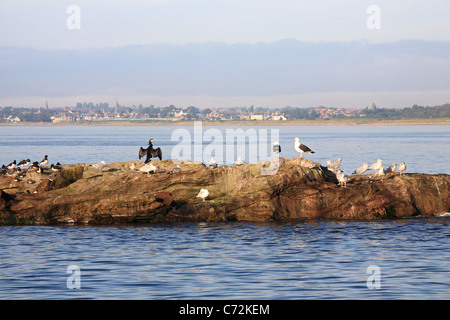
[[43, 41]]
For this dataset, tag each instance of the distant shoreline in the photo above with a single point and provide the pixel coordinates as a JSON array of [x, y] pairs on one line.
[[331, 122]]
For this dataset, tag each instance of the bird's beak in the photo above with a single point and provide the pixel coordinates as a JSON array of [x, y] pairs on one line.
[[151, 140]]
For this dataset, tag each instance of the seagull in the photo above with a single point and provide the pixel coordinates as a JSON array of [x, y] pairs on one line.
[[239, 161], [380, 173], [203, 194], [361, 169], [402, 168], [301, 148], [148, 168], [99, 165], [376, 165], [276, 148], [212, 163], [333, 166], [44, 161], [391, 168], [175, 170], [342, 178]]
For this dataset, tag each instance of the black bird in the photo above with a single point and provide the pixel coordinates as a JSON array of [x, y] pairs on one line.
[[44, 161], [150, 152], [56, 168], [12, 165], [23, 163], [276, 148]]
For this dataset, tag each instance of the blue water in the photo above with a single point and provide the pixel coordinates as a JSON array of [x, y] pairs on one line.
[[303, 260], [424, 148], [298, 260]]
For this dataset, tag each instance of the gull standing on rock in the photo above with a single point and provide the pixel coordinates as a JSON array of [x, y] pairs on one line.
[[212, 163], [376, 165], [99, 165], [361, 169], [333, 166], [239, 161], [276, 148], [301, 148], [203, 194], [391, 168], [342, 178], [402, 168], [149, 167]]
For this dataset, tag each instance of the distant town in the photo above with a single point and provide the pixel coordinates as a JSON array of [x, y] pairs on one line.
[[90, 112]]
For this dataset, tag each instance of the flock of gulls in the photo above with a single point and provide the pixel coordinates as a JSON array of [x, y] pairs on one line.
[[341, 176], [20, 169]]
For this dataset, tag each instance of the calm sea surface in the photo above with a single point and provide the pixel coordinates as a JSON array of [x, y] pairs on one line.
[[403, 259]]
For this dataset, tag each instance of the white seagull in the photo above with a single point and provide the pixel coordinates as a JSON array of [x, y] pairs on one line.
[[149, 167], [361, 169], [301, 148], [212, 163], [342, 178], [203, 194], [402, 168], [239, 161], [99, 165], [333, 166], [376, 165]]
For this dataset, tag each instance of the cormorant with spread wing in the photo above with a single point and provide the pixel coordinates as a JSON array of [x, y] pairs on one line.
[[150, 152]]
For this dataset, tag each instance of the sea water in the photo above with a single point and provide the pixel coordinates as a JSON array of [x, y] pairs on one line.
[[401, 259]]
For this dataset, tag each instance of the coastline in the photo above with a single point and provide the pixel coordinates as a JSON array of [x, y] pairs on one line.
[[331, 122]]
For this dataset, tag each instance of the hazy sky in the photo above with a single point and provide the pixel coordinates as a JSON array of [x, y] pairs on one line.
[[45, 25]]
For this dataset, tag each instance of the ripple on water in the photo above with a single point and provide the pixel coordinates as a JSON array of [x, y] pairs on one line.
[[304, 260]]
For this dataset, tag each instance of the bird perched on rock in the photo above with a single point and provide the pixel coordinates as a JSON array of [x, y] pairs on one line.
[[212, 163], [276, 148], [301, 148], [44, 161], [391, 168], [150, 152], [99, 165], [342, 178], [23, 163], [402, 168], [333, 166], [239, 161], [203, 194], [376, 166], [361, 169], [56, 168], [148, 168], [177, 169], [12, 165]]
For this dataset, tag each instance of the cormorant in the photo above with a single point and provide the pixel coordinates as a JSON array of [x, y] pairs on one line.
[[150, 152]]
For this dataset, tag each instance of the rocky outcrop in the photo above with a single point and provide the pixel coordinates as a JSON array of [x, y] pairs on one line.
[[274, 191]]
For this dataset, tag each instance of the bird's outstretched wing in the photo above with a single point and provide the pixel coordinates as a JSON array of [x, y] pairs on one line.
[[142, 152], [157, 153]]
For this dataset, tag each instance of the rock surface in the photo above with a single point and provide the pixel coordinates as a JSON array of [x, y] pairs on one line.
[[282, 190]]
